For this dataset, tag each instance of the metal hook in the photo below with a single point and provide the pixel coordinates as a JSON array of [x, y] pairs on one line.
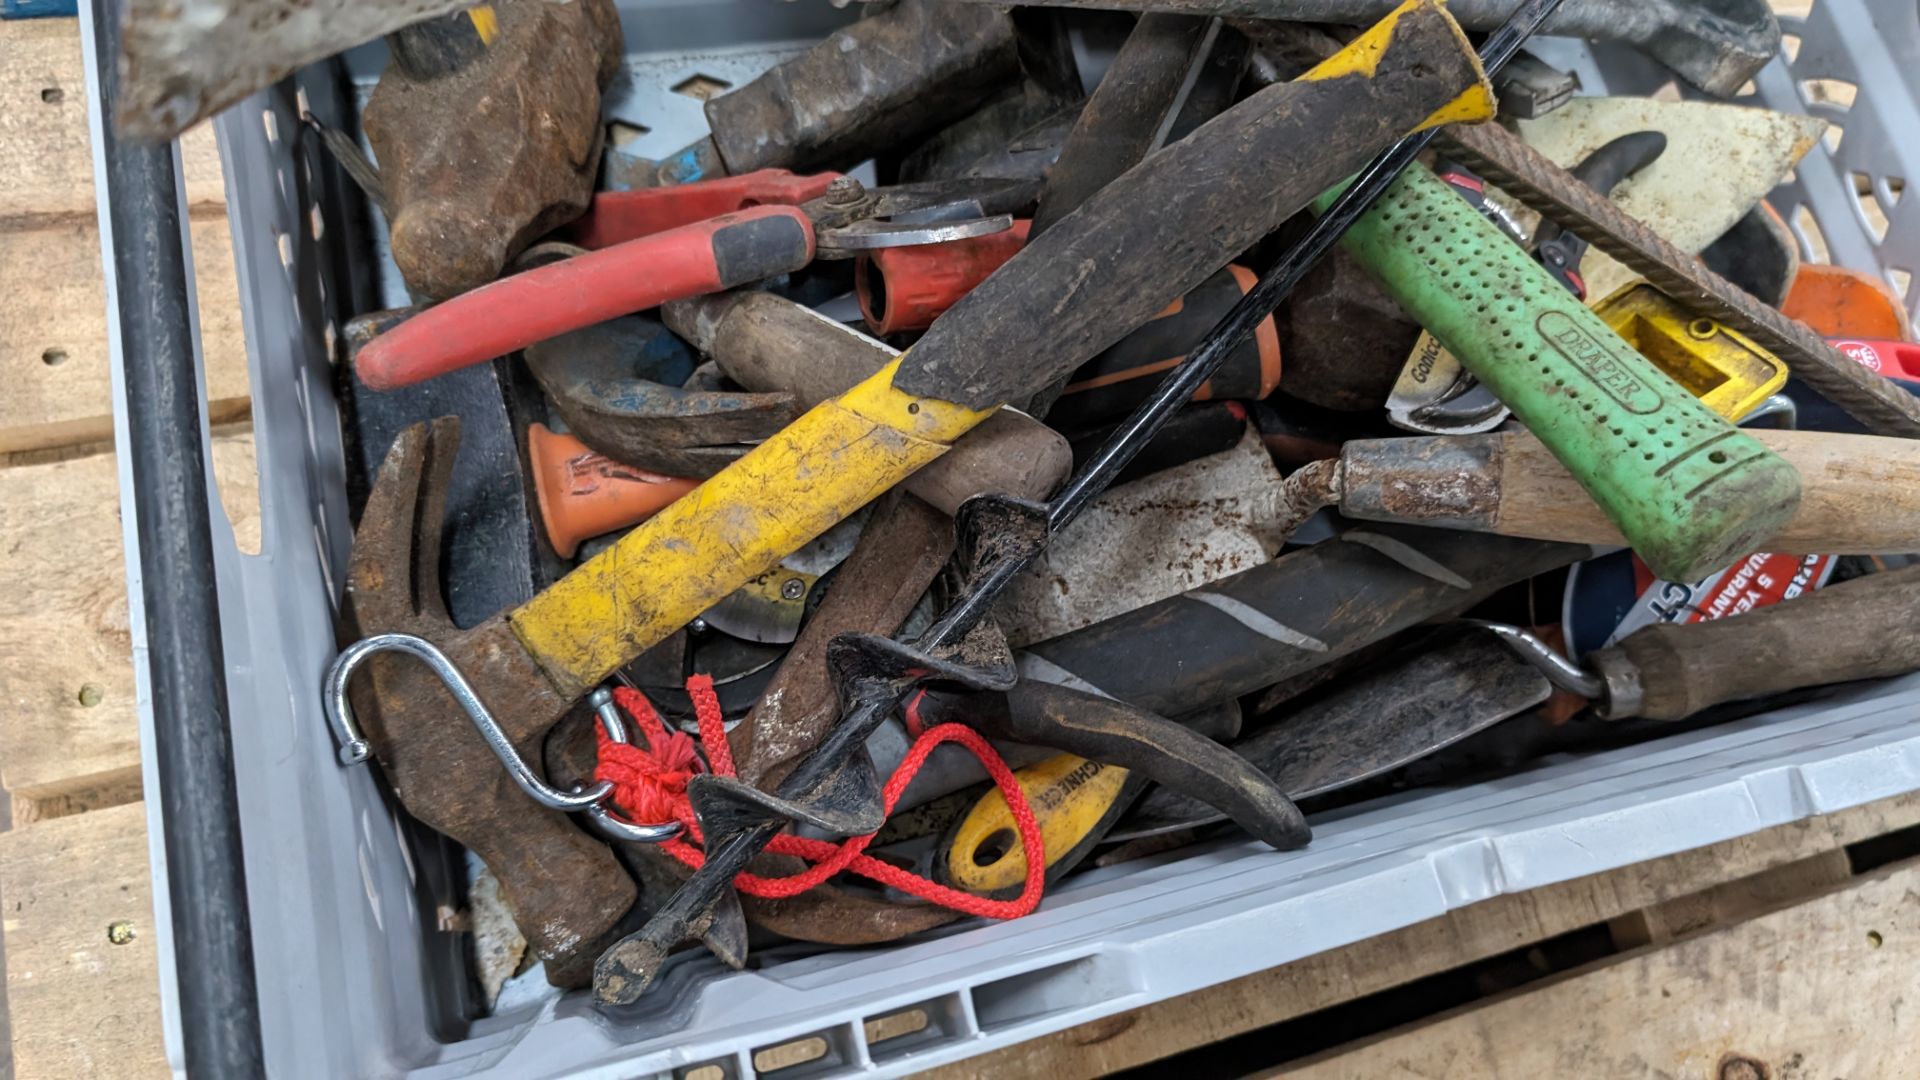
[[1559, 670], [598, 816], [354, 748]]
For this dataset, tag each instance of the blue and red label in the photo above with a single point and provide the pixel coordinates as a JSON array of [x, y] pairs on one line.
[[1614, 595]]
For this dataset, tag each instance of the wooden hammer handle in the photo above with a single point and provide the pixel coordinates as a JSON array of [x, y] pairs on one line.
[[1860, 494], [1860, 629]]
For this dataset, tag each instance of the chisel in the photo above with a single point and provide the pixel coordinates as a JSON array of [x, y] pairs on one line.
[[1860, 493]]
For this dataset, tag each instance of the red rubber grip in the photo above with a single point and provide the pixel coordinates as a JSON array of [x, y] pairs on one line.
[[907, 288], [548, 301], [615, 217]]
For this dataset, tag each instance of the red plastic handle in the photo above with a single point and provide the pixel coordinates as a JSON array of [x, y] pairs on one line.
[[615, 217], [906, 288], [517, 311], [1894, 359]]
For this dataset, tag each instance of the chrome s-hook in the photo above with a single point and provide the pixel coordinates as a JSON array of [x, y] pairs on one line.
[[355, 749]]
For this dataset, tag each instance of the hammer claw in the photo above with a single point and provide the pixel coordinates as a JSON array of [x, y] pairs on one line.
[[394, 575], [566, 890]]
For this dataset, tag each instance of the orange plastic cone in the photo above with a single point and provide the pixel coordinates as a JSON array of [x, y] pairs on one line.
[[583, 494]]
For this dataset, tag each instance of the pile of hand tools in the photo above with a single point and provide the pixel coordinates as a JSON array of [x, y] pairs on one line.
[[1307, 398]]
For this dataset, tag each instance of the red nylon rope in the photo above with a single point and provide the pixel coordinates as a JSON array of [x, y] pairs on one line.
[[650, 786]]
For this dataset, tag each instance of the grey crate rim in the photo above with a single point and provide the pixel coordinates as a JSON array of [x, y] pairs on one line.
[[338, 932]]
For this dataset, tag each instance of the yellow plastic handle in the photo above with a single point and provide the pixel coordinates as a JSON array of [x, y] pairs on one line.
[[1071, 797], [839, 456]]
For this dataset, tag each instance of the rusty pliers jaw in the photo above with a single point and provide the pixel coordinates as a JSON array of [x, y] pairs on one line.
[[851, 219], [601, 380]]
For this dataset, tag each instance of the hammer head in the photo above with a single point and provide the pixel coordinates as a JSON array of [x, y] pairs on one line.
[[618, 385], [566, 890]]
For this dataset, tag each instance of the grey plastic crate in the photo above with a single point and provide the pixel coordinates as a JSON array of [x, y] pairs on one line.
[[356, 976]]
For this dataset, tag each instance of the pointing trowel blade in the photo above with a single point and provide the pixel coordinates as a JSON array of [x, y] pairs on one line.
[[1413, 705]]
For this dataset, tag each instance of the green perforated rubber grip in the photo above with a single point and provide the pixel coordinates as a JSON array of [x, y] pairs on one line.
[[1690, 491]]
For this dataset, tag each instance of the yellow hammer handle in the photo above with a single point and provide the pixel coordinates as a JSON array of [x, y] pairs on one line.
[[839, 456]]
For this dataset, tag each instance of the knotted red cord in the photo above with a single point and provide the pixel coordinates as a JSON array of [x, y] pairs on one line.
[[650, 786]]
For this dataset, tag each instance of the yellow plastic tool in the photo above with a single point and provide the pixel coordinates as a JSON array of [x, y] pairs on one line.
[[1075, 801], [1724, 368], [839, 456]]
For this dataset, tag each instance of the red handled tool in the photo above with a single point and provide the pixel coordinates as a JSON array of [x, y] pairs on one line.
[[649, 260], [907, 288], [616, 217]]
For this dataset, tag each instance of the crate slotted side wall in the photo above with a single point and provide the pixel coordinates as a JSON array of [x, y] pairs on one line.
[[354, 968]]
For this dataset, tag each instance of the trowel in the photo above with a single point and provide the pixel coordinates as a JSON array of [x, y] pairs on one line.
[[1149, 539], [1413, 705], [1720, 162]]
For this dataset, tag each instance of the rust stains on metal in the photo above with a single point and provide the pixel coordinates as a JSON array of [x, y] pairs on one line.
[[565, 889], [480, 161], [1741, 1067]]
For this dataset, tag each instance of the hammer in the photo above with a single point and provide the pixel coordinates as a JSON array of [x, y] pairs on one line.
[[566, 890], [1715, 46]]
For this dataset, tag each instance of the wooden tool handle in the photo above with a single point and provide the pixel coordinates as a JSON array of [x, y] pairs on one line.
[[769, 343], [1860, 494], [1860, 629], [1688, 488]]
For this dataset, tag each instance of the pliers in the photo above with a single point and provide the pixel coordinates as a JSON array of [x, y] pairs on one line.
[[662, 244]]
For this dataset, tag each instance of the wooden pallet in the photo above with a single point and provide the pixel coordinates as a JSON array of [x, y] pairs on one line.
[[1686, 973], [1763, 956], [82, 992]]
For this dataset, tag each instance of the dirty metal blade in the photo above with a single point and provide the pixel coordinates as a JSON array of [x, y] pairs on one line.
[[768, 609], [188, 59], [1413, 706]]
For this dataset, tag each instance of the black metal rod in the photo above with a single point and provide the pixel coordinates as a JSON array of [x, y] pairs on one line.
[[875, 701], [192, 744]]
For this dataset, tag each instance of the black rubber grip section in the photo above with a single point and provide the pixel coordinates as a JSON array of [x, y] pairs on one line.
[[759, 249], [1110, 385]]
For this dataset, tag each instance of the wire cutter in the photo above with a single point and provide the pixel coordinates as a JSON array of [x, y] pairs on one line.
[[662, 244]]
